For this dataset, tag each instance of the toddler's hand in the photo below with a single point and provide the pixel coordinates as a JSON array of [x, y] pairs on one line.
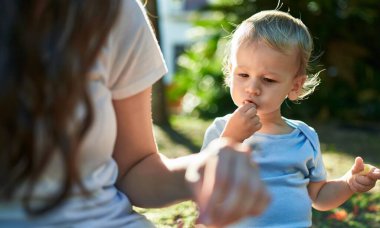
[[362, 177], [243, 123]]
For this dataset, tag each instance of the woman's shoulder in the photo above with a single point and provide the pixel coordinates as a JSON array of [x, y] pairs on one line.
[[131, 60]]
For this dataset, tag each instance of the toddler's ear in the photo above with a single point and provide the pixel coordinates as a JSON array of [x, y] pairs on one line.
[[296, 90]]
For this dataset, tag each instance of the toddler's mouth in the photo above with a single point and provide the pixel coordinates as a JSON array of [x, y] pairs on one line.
[[249, 101]]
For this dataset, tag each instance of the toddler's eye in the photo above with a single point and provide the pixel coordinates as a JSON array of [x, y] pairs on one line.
[[243, 75], [269, 80]]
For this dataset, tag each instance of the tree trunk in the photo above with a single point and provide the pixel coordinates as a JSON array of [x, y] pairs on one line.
[[159, 107]]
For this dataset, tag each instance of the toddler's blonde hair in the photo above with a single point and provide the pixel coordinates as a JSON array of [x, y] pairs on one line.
[[281, 31]]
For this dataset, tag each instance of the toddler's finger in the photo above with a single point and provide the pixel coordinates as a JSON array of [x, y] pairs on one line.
[[245, 107], [364, 181], [374, 174], [358, 165], [252, 112], [254, 121], [357, 186], [258, 125]]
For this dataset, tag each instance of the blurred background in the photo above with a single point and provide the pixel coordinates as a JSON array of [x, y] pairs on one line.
[[345, 108], [346, 33]]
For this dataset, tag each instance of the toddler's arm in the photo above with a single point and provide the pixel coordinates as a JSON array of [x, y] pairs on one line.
[[327, 195]]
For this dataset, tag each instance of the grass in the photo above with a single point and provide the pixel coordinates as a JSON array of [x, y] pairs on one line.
[[340, 145], [178, 215]]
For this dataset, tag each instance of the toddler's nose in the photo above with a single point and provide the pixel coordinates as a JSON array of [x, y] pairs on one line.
[[253, 88]]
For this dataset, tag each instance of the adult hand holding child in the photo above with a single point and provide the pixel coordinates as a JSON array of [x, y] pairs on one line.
[[226, 184]]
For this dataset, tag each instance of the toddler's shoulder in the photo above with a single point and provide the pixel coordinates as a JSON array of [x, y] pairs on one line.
[[221, 121], [307, 130], [301, 125]]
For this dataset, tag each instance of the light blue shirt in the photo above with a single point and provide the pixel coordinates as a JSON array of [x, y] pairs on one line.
[[287, 164]]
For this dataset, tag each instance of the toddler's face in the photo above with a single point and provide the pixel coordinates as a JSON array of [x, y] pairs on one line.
[[264, 76]]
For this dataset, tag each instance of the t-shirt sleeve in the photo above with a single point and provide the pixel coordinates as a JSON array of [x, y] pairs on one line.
[[213, 132], [317, 169], [135, 59], [315, 166]]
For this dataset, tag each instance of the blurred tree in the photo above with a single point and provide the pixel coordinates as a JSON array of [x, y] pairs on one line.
[[346, 36], [159, 112]]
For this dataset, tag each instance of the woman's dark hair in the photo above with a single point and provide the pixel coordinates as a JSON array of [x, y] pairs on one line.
[[46, 51]]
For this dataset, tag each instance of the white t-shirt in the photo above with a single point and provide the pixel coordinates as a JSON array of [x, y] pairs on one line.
[[129, 62]]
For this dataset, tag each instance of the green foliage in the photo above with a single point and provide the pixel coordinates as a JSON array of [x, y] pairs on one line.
[[200, 75], [179, 215], [360, 211], [346, 35]]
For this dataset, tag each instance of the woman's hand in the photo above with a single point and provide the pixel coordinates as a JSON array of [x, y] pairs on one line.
[[362, 177], [226, 184], [243, 123]]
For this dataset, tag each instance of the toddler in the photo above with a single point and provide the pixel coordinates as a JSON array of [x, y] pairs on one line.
[[266, 64]]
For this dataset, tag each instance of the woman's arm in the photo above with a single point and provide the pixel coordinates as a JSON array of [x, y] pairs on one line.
[[229, 187], [144, 175]]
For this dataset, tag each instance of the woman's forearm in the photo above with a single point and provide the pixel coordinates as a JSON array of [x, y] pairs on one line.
[[161, 184]]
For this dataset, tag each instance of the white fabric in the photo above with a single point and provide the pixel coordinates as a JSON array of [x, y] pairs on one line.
[[130, 62]]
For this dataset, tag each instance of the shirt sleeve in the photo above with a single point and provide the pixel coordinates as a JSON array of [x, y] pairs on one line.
[[317, 169], [315, 165], [135, 59], [213, 131]]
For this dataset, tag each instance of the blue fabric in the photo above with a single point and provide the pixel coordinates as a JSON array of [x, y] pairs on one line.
[[287, 164]]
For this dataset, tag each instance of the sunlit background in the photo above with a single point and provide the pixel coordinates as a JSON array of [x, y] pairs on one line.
[[346, 34], [344, 110]]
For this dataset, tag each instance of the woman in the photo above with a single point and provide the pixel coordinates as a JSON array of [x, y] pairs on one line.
[[77, 146]]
